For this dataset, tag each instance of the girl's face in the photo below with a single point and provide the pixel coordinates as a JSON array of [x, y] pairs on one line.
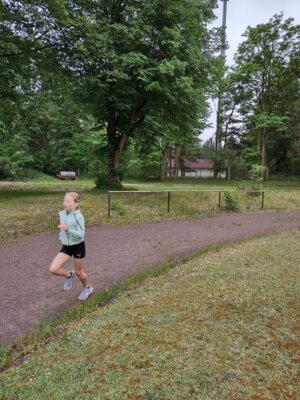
[[69, 203]]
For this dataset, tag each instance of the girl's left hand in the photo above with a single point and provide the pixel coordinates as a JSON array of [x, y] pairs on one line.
[[63, 227]]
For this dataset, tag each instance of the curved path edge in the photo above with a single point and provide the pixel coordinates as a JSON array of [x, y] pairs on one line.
[[30, 294]]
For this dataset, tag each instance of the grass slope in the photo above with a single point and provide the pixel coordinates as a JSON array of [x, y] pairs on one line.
[[221, 326]]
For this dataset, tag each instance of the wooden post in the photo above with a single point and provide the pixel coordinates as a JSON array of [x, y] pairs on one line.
[[169, 197], [108, 205], [219, 199], [262, 199]]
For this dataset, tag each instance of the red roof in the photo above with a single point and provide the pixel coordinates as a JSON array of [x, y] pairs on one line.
[[196, 164], [199, 164]]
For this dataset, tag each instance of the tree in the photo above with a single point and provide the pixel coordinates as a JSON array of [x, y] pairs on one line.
[[263, 68], [140, 68], [31, 87], [141, 65]]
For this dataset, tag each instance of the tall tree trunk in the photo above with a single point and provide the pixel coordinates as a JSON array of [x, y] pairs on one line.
[[112, 146], [176, 159], [264, 161], [164, 164], [116, 142], [115, 150]]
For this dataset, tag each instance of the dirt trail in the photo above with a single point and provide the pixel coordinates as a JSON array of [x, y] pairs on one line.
[[29, 293]]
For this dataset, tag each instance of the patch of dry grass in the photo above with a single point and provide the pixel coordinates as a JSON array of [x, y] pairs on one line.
[[25, 213], [222, 326], [195, 203]]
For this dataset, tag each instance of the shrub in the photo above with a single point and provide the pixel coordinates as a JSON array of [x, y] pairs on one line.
[[104, 182], [4, 169], [255, 173], [231, 201], [250, 188], [116, 206]]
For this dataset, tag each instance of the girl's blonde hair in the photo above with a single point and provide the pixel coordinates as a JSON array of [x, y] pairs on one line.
[[76, 198]]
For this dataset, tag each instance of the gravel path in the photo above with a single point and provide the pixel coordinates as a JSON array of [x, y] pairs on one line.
[[30, 294]]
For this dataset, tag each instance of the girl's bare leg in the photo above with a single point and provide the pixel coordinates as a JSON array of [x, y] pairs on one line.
[[80, 273], [56, 267]]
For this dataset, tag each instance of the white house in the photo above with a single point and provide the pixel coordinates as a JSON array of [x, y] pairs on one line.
[[200, 168]]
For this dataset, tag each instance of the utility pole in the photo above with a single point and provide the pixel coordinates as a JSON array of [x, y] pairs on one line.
[[218, 137], [223, 48]]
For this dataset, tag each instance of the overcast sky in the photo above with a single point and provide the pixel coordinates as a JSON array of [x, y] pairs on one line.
[[243, 13]]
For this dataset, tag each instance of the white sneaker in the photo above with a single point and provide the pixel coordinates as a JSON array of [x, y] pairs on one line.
[[69, 281], [85, 293]]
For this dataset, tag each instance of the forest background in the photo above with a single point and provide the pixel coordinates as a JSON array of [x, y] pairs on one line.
[[120, 88]]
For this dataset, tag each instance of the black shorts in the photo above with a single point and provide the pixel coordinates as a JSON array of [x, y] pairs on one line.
[[76, 250]]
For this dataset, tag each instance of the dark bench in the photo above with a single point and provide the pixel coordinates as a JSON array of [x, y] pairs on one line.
[[66, 175]]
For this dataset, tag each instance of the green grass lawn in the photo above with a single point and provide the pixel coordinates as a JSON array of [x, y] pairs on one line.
[[220, 326], [45, 182], [202, 184]]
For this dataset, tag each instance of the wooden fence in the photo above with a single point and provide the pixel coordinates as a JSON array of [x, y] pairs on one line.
[[259, 195]]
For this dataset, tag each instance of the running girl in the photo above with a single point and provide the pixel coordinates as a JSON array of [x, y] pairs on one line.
[[72, 230]]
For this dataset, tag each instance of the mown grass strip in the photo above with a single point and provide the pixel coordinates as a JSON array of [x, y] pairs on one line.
[[222, 325]]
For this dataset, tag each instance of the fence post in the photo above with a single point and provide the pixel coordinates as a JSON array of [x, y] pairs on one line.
[[169, 197], [262, 199], [219, 199], [108, 205]]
